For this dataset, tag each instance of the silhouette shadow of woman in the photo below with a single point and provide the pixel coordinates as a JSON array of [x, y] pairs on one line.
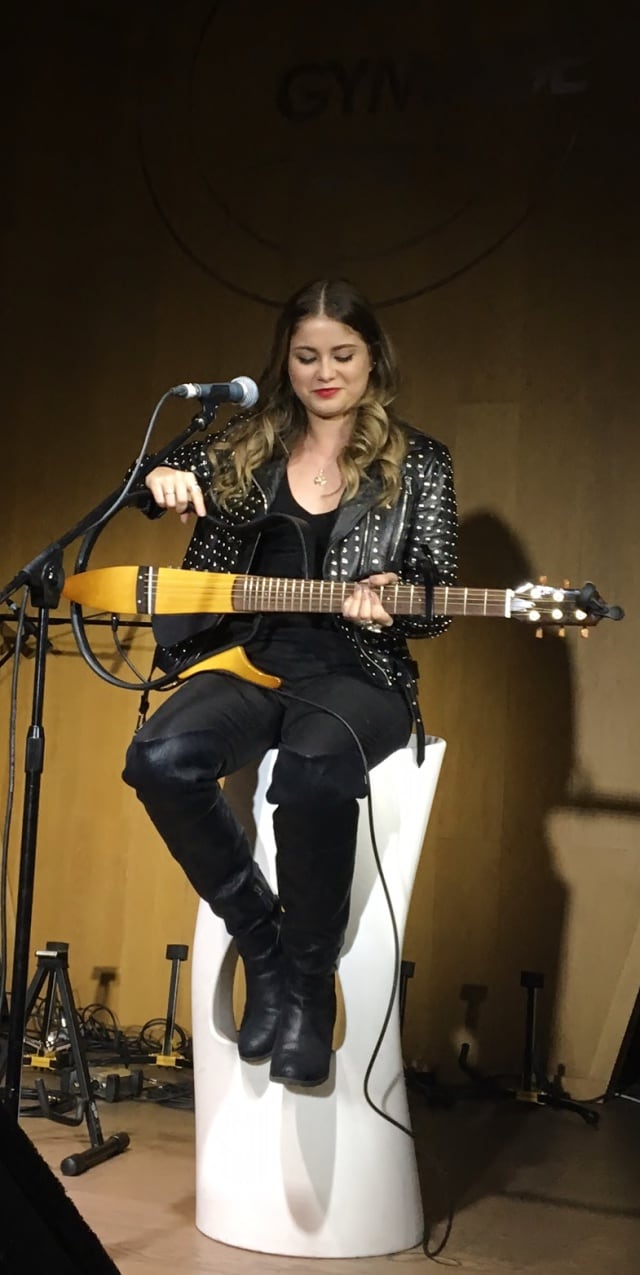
[[503, 701]]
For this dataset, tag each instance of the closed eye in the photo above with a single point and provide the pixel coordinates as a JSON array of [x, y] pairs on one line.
[[307, 359]]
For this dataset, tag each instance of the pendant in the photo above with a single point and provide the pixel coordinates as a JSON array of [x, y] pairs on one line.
[[320, 478]]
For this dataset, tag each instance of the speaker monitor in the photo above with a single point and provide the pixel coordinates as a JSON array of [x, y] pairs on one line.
[[39, 1223]]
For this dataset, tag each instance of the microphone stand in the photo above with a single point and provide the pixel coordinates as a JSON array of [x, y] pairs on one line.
[[44, 576]]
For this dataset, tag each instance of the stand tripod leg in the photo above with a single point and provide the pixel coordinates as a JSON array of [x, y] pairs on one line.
[[50, 995], [590, 1116], [77, 1050], [31, 996]]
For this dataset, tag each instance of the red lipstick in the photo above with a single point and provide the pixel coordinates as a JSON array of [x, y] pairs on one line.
[[327, 393]]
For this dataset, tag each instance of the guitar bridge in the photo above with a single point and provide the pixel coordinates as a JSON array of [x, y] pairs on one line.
[[146, 590]]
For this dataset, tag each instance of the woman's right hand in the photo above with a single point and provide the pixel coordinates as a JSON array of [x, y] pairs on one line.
[[176, 489]]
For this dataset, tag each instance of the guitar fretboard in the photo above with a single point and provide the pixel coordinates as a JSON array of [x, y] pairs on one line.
[[273, 593]]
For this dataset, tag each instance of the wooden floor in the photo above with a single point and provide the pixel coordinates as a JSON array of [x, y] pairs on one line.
[[534, 1190]]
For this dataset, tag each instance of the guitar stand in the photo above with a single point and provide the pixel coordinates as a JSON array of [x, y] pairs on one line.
[[168, 1057], [53, 970], [176, 953], [534, 1088]]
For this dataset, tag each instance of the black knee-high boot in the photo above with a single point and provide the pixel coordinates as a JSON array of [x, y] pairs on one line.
[[316, 854], [209, 843], [251, 913]]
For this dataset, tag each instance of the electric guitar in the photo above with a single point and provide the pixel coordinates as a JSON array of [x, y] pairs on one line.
[[170, 591]]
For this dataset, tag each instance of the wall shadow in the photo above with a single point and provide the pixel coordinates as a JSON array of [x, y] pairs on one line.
[[515, 700]]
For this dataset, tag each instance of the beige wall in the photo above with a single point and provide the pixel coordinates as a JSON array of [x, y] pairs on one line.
[[119, 285]]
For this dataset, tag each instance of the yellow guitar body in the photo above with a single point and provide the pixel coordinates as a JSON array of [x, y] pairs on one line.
[[118, 589], [233, 661]]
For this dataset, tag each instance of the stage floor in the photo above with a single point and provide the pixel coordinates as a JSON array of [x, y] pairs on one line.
[[534, 1190]]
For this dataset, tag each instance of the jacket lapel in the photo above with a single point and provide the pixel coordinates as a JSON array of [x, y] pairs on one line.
[[350, 513], [268, 477]]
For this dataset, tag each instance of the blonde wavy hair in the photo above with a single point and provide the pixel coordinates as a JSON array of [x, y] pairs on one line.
[[378, 443]]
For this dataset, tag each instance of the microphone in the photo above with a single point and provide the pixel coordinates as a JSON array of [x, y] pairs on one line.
[[241, 390]]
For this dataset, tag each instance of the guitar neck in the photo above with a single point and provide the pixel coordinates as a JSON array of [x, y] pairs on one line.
[[272, 593]]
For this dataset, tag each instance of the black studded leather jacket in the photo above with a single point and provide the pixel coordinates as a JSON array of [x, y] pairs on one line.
[[416, 538]]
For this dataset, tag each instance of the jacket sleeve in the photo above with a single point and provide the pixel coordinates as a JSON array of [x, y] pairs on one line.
[[193, 457], [430, 554]]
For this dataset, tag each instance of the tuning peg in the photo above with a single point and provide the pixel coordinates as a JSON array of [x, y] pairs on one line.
[[539, 632], [584, 633], [542, 579], [566, 584], [562, 633]]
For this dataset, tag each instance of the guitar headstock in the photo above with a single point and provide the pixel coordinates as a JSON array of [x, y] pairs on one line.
[[551, 608]]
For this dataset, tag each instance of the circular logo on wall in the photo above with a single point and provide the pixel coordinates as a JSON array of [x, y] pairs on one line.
[[381, 142]]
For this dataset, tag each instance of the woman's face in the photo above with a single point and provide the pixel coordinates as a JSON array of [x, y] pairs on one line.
[[329, 366]]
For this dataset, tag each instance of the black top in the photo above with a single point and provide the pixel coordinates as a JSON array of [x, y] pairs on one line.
[[292, 644], [279, 551]]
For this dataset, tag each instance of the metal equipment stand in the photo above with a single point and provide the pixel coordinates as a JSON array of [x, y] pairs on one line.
[[535, 1087], [52, 974]]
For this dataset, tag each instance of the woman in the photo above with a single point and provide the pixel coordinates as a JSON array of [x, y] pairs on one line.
[[320, 480]]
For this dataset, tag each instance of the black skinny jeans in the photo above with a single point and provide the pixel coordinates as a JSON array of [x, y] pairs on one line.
[[215, 724]]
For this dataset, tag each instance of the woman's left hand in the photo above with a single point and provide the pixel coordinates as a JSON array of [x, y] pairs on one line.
[[363, 607]]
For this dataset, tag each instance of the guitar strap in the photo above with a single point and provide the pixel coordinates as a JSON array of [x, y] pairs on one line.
[[428, 571]]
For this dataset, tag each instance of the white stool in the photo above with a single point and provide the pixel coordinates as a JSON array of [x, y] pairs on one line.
[[316, 1172]]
